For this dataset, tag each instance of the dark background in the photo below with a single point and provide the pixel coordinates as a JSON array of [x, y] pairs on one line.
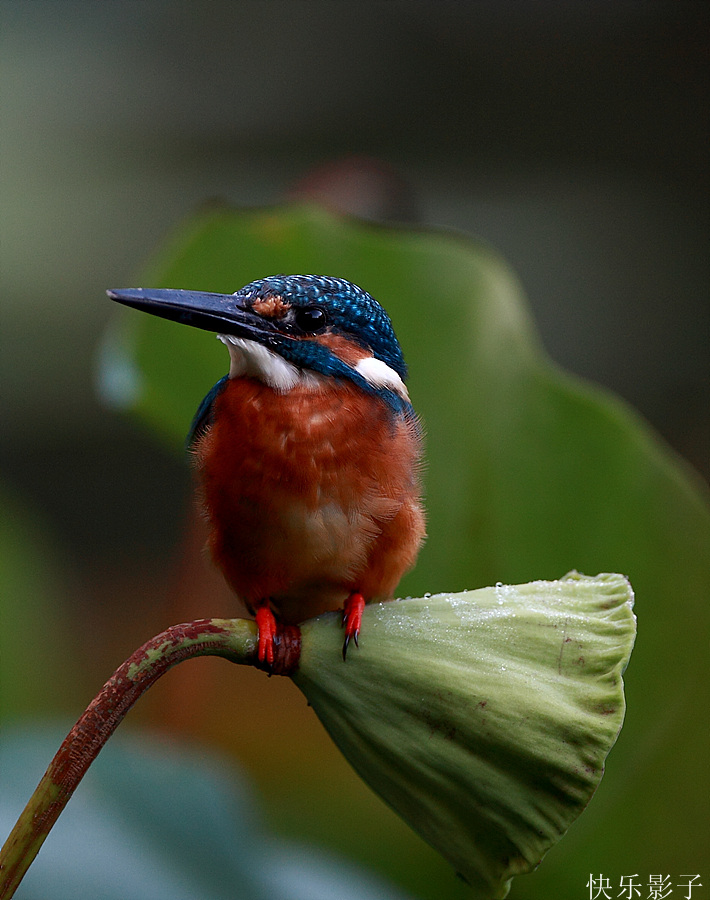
[[571, 136]]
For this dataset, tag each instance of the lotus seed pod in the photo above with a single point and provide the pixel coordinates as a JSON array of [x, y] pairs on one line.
[[483, 718]]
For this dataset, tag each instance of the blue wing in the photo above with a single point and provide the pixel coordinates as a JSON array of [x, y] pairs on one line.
[[203, 416]]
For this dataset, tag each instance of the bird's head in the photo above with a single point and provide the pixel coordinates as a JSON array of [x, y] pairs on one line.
[[291, 329]]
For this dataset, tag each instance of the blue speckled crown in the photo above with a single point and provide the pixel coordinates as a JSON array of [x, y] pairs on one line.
[[350, 310]]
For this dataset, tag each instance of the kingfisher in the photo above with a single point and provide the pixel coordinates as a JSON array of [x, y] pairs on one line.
[[308, 451]]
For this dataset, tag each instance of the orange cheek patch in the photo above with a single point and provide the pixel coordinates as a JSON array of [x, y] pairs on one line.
[[344, 349], [271, 307]]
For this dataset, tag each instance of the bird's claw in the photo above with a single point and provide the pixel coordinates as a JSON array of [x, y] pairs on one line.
[[266, 623], [352, 620]]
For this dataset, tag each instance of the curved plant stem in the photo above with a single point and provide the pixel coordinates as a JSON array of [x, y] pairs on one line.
[[233, 639]]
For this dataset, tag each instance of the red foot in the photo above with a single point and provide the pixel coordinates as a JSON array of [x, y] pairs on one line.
[[266, 623], [352, 619]]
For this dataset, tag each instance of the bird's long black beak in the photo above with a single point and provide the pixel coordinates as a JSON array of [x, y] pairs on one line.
[[221, 313]]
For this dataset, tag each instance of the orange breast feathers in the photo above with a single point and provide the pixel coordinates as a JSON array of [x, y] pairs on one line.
[[311, 494]]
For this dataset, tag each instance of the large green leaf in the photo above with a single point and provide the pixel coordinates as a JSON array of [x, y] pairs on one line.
[[530, 473]]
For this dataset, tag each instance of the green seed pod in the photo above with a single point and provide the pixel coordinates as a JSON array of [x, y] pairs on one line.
[[483, 718]]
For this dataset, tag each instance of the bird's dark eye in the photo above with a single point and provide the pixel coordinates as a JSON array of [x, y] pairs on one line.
[[310, 319]]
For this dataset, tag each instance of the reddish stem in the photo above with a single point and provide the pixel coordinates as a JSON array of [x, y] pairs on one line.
[[232, 639]]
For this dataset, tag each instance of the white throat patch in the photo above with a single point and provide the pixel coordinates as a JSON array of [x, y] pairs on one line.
[[253, 359]]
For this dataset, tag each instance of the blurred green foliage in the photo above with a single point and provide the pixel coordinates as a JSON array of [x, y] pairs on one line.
[[152, 821], [530, 474], [34, 633]]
